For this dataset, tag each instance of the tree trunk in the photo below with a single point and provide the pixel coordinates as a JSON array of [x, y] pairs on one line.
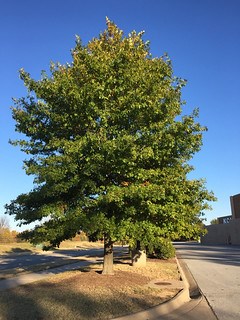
[[139, 257], [108, 257], [138, 246]]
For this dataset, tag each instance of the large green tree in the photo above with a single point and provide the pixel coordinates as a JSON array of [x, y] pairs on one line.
[[109, 147]]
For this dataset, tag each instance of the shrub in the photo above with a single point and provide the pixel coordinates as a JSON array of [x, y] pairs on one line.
[[162, 249]]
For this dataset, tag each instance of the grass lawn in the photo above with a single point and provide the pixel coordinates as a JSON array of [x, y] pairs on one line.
[[18, 247], [86, 294]]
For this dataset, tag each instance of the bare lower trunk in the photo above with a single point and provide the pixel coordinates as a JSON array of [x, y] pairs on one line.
[[108, 257], [139, 258]]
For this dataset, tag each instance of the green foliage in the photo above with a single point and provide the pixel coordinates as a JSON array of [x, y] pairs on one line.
[[162, 248], [214, 221], [108, 146]]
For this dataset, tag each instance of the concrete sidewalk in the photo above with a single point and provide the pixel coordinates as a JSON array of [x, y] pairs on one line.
[[40, 275], [188, 304], [197, 308]]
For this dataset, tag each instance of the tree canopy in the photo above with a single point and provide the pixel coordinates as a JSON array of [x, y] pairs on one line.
[[108, 146]]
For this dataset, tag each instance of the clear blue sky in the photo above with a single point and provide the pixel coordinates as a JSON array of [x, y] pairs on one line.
[[201, 37]]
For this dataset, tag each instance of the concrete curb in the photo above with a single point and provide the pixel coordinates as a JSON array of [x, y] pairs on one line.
[[189, 303], [194, 291], [165, 308]]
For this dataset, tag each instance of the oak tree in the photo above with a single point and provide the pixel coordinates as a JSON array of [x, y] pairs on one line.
[[109, 147]]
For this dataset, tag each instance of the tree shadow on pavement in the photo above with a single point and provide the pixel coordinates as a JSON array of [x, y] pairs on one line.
[[227, 254]]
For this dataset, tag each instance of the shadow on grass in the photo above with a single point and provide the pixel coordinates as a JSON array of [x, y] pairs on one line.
[[19, 250], [123, 260], [47, 302], [69, 299]]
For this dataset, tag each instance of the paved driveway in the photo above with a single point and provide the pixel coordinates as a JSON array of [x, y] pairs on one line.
[[217, 272]]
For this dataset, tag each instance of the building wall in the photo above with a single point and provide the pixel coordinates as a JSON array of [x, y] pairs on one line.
[[228, 233], [235, 206]]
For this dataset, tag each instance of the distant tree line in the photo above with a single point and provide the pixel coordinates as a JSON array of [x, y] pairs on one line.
[[6, 235]]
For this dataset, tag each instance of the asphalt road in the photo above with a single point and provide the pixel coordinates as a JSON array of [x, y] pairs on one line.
[[217, 272], [23, 260], [10, 261]]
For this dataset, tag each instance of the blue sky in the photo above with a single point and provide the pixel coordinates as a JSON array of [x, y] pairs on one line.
[[201, 38]]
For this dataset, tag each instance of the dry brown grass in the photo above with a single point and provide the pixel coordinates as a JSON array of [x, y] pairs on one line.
[[80, 244], [17, 247], [86, 294]]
